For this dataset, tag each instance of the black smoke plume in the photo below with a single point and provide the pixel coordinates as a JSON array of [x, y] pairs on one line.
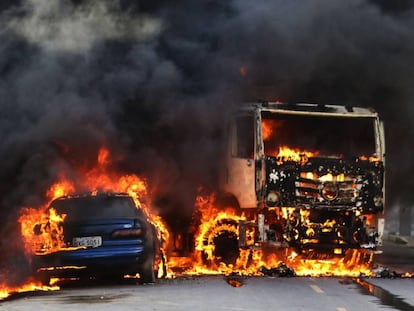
[[155, 80]]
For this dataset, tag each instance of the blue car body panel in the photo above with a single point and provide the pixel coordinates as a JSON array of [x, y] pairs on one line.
[[122, 254], [93, 219]]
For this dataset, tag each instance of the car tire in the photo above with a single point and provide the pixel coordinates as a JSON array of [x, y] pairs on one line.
[[43, 278], [147, 273]]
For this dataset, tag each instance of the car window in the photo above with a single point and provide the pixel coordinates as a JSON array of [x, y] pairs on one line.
[[98, 207]]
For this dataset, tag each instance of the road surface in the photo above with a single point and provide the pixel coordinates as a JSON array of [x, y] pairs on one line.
[[236, 293], [215, 293]]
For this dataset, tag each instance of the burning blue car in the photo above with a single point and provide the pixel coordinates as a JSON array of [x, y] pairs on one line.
[[105, 235]]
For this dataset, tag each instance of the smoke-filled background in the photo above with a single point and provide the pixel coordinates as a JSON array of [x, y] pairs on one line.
[[154, 81]]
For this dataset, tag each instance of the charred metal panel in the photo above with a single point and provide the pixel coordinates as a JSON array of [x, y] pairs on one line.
[[303, 185]]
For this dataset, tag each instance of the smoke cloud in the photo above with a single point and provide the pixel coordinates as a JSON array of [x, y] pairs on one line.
[[154, 81]]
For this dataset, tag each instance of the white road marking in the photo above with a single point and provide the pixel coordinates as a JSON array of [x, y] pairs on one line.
[[233, 308], [316, 288], [341, 309], [167, 303]]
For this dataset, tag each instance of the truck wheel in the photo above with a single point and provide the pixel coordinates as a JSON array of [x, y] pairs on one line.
[[220, 243], [226, 247]]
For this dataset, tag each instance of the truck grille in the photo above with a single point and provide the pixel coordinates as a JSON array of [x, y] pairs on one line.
[[336, 191]]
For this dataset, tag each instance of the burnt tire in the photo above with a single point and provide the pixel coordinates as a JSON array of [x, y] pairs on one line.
[[226, 247], [43, 278], [147, 272], [220, 243]]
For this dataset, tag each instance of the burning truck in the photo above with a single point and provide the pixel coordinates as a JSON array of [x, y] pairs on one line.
[[305, 176]]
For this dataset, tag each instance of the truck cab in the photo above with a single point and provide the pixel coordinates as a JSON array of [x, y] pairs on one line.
[[307, 175]]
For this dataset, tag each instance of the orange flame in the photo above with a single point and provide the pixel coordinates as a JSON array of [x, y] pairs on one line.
[[215, 219], [94, 180], [296, 155], [267, 129], [373, 158], [283, 153], [103, 156], [41, 228], [29, 286]]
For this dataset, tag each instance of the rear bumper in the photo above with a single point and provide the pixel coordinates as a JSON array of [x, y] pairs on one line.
[[114, 258]]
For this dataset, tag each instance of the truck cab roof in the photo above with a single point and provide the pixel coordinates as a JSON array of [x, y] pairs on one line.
[[310, 108]]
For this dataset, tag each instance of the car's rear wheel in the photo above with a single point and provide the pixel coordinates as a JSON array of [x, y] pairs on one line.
[[147, 272], [43, 278]]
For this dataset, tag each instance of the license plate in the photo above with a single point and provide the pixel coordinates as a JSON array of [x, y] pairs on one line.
[[88, 241]]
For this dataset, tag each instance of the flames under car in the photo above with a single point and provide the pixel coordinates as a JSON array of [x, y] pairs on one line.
[[104, 235]]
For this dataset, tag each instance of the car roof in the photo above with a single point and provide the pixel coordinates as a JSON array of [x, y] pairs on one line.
[[93, 195]]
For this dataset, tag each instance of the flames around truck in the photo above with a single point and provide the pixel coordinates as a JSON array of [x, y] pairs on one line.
[[318, 177]]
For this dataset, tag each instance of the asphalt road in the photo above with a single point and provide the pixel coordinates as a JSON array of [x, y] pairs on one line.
[[396, 257], [236, 293], [215, 293]]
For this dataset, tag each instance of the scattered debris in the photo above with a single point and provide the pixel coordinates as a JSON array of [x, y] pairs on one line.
[[235, 281], [281, 271], [384, 272], [346, 281]]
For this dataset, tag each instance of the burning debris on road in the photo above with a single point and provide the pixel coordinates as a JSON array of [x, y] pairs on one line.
[[281, 271], [384, 272], [234, 280]]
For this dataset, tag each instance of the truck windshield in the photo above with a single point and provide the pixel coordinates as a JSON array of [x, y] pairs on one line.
[[320, 136]]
